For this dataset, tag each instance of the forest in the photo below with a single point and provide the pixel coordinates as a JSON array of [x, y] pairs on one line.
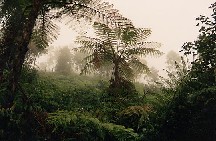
[[92, 91]]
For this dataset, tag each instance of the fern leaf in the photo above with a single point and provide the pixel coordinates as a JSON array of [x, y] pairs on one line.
[[45, 30], [138, 66], [143, 50]]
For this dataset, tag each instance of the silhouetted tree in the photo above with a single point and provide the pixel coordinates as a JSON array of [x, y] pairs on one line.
[[64, 60], [119, 47]]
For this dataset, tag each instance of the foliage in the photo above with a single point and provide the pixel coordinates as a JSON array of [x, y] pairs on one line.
[[82, 94], [191, 111], [203, 51], [54, 91], [135, 116], [177, 73], [71, 126], [191, 117], [23, 121], [50, 92]]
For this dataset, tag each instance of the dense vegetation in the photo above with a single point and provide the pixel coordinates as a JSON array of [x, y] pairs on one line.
[[105, 103]]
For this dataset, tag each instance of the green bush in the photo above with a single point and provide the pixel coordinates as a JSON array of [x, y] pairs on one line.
[[71, 126], [51, 92], [135, 117], [191, 117]]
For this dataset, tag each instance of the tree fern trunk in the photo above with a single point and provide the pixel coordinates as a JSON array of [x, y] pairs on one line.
[[117, 77]]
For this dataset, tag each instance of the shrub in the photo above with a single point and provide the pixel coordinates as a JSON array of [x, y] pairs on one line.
[[72, 126]]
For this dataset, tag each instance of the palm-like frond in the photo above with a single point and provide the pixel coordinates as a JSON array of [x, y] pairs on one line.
[[93, 10], [126, 71], [103, 31], [115, 37], [95, 61], [129, 69], [99, 56], [89, 44], [108, 15], [138, 66], [144, 48], [142, 34], [45, 30]]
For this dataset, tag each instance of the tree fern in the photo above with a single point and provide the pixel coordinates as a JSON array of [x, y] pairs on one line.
[[120, 47]]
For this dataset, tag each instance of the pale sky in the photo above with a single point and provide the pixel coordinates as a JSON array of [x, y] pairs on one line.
[[172, 21]]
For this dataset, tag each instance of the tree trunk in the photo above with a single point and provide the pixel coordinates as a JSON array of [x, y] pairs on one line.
[[20, 46], [117, 77]]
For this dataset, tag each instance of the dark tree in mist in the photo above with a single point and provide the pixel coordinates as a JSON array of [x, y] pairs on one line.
[[64, 61]]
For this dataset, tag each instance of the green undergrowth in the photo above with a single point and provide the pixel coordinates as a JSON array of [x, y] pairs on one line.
[[80, 108], [72, 126]]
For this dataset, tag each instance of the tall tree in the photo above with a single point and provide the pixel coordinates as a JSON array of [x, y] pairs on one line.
[[119, 47], [64, 60], [18, 29]]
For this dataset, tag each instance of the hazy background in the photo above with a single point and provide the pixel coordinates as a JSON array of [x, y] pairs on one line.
[[172, 23]]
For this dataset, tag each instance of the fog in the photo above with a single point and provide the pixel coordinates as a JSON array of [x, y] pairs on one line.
[[172, 24]]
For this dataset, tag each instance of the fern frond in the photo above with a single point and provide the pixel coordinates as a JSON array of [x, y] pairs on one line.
[[88, 44], [142, 33], [138, 66], [136, 36], [144, 50], [149, 44], [94, 10], [99, 58], [45, 30], [126, 70], [95, 61], [129, 35], [108, 35], [103, 31], [91, 40], [88, 59]]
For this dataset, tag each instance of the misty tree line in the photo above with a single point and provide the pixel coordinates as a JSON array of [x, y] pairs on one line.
[[66, 60]]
